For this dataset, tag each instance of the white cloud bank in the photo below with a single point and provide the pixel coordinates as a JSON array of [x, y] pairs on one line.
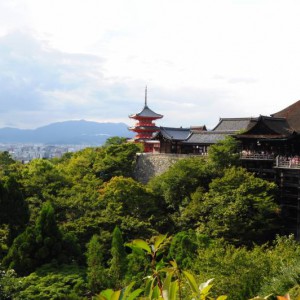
[[202, 60]]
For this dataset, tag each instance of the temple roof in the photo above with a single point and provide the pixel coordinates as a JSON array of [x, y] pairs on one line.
[[234, 124], [292, 115], [144, 128], [268, 127], [146, 113], [171, 133], [207, 137]]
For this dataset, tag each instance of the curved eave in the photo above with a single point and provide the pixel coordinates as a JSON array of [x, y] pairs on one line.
[[146, 113], [145, 140], [144, 128], [139, 117]]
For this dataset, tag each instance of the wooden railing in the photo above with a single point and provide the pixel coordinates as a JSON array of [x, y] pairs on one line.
[[257, 156], [287, 163]]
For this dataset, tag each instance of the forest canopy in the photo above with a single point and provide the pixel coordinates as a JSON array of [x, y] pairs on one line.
[[74, 218]]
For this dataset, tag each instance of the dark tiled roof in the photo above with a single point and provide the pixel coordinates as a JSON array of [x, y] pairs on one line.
[[268, 127], [208, 137], [146, 113], [292, 115], [278, 125], [171, 133], [234, 124]]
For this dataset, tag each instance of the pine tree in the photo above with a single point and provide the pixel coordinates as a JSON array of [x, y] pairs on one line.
[[40, 244], [118, 263], [96, 273]]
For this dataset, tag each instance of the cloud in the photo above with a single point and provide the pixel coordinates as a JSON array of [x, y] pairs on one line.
[[49, 85]]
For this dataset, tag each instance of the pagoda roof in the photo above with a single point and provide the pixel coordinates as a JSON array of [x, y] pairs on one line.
[[146, 113], [171, 133], [269, 128], [144, 128], [291, 114], [234, 124]]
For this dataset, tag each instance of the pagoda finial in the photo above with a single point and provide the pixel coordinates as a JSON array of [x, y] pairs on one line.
[[146, 96]]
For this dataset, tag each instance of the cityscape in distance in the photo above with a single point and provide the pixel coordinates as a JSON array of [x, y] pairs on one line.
[[56, 139]]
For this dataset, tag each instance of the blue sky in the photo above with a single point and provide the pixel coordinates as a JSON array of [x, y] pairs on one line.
[[202, 60]]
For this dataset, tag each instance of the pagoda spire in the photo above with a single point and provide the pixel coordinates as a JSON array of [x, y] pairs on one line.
[[146, 96]]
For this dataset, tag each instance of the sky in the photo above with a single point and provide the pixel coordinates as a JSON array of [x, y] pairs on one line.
[[201, 60]]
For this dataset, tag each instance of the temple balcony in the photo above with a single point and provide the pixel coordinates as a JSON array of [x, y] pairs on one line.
[[246, 155], [283, 162]]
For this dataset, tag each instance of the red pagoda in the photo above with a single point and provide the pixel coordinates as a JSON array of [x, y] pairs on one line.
[[145, 127]]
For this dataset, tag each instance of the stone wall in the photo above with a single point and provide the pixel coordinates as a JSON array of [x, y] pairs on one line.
[[149, 165]]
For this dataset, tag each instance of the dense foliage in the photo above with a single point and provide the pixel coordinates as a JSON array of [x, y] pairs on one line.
[[67, 226]]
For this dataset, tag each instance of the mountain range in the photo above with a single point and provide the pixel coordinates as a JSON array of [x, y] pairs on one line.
[[79, 132]]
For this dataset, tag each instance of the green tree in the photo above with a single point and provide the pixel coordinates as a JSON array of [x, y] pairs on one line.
[[6, 159], [41, 244], [238, 272], [53, 281], [224, 154], [118, 263], [183, 248], [182, 179], [116, 160], [240, 208], [42, 179], [130, 205], [96, 272], [115, 140], [14, 210]]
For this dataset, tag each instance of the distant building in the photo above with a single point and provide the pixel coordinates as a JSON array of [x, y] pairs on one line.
[[197, 139], [145, 127]]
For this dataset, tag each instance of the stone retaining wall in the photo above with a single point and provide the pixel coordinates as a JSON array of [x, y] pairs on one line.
[[149, 165]]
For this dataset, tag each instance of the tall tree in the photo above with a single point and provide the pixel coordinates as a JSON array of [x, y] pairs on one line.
[[96, 272], [182, 179], [40, 244], [224, 154], [129, 205], [118, 263], [14, 210], [240, 208]]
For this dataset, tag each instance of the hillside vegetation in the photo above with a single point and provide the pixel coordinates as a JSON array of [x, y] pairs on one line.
[[75, 227]]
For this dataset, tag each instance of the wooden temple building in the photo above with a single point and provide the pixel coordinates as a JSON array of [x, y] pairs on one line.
[[270, 147], [197, 139], [145, 127]]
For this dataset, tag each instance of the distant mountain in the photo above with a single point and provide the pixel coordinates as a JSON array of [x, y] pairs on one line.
[[68, 132]]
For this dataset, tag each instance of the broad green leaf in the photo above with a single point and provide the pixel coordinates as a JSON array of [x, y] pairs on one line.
[[223, 297], [106, 294], [192, 282], [141, 244], [155, 293], [173, 290], [158, 241], [134, 294], [127, 290], [166, 286], [205, 290], [173, 263], [116, 295]]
